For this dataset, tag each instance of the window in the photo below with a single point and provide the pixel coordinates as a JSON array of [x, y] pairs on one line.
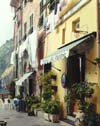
[[25, 2], [63, 36], [25, 27], [20, 37], [47, 67], [31, 21], [76, 25], [53, 4]]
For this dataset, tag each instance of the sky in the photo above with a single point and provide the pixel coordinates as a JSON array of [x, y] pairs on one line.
[[6, 21]]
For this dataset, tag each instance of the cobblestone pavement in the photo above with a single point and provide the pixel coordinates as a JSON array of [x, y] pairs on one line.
[[14, 118]]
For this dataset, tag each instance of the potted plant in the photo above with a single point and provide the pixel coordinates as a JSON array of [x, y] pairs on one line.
[[29, 102], [80, 92], [54, 106], [46, 109], [91, 118], [98, 61], [35, 107]]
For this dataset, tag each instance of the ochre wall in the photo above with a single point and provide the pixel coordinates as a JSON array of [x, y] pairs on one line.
[[88, 22]]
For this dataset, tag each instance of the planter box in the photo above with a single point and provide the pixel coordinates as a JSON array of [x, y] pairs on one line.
[[46, 116], [54, 118]]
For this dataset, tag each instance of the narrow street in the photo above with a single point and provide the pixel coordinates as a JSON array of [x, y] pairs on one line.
[[14, 118]]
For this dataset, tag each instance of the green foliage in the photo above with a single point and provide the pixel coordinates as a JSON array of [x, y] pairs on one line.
[[83, 89], [97, 59], [45, 106], [91, 118], [31, 100], [35, 106], [46, 78], [54, 106], [47, 90], [47, 93]]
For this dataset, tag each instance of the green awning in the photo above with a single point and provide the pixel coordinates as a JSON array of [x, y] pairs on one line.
[[81, 44]]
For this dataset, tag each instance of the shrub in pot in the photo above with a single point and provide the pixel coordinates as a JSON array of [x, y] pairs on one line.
[[54, 106], [35, 107], [29, 102]]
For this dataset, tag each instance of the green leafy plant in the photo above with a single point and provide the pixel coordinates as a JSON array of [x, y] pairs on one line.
[[35, 106], [45, 106], [97, 60], [91, 118], [79, 91], [47, 86], [54, 106], [31, 100]]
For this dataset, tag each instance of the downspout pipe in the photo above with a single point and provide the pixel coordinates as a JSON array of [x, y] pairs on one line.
[[98, 28], [98, 46]]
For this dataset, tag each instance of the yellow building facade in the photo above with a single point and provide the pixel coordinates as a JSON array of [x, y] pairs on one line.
[[76, 21]]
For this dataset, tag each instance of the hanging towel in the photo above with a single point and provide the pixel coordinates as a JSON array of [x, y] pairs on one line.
[[12, 59], [32, 49]]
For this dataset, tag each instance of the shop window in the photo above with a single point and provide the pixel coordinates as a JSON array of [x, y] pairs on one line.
[[63, 35], [76, 25], [47, 67]]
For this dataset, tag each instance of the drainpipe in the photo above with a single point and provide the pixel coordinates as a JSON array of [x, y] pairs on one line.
[[21, 31], [98, 28], [98, 40]]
